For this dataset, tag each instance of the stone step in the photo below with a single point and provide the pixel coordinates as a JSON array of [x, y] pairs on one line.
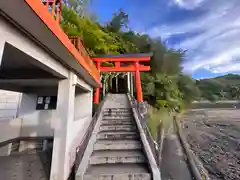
[[117, 118], [117, 156], [118, 110], [127, 111], [117, 113], [118, 172], [118, 135], [114, 119], [117, 122], [117, 145], [117, 128]]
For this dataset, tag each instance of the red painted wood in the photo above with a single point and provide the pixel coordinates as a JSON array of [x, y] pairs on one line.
[[138, 83], [97, 90], [96, 96], [122, 59], [124, 69], [117, 64]]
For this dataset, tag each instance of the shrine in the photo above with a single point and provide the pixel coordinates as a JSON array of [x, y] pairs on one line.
[[133, 63]]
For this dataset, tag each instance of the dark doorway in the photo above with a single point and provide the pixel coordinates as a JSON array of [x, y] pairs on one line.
[[122, 85], [114, 86], [119, 85]]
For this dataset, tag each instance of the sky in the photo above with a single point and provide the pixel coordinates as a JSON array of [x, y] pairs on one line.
[[208, 29]]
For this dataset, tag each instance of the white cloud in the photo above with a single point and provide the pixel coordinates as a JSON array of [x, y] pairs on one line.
[[187, 4], [216, 47], [226, 61]]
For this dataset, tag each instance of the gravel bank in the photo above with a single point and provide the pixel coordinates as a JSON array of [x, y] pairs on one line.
[[214, 136]]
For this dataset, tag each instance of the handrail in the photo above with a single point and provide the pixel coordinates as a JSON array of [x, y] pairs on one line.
[[24, 138], [148, 143], [143, 120]]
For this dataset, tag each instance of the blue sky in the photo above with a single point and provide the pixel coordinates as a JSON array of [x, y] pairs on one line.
[[208, 29]]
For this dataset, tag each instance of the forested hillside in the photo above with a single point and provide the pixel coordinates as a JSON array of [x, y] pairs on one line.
[[165, 86], [225, 87]]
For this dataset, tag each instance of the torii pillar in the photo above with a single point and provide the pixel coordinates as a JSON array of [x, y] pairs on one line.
[[138, 83]]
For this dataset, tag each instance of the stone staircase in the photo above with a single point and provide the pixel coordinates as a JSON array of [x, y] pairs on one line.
[[118, 152]]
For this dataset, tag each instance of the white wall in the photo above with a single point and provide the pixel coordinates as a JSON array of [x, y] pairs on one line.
[[82, 118], [30, 122], [82, 105], [9, 102], [35, 122]]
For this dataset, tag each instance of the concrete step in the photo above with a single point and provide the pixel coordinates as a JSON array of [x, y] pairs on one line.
[[118, 172], [117, 122], [118, 135], [117, 145], [117, 128], [114, 119], [117, 156], [114, 111], [117, 113], [117, 117], [118, 110]]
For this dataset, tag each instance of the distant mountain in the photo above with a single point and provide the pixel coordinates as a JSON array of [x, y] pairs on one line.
[[229, 79], [220, 88]]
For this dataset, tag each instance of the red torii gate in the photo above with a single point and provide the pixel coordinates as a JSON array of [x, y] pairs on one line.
[[123, 63]]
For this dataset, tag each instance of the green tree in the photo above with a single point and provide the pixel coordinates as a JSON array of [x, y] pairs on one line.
[[78, 6], [222, 95], [119, 20], [235, 92]]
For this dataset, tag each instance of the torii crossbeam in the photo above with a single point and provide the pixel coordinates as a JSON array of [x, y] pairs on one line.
[[124, 63]]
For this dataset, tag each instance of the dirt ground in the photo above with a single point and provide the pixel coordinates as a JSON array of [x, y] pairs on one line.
[[214, 136]]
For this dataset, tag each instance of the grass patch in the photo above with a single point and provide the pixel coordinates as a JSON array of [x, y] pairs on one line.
[[155, 116]]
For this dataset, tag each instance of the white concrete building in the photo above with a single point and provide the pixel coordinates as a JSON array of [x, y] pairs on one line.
[[56, 84]]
